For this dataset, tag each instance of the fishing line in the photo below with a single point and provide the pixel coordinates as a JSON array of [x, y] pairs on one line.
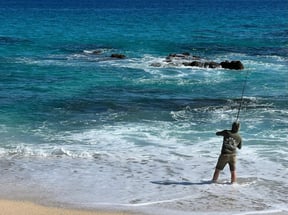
[[241, 101]]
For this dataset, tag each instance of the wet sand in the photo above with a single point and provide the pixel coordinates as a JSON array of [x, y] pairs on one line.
[[8, 207]]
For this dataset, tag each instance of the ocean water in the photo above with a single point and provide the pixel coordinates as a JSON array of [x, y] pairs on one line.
[[79, 128]]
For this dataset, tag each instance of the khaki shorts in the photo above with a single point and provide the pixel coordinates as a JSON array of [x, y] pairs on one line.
[[224, 159]]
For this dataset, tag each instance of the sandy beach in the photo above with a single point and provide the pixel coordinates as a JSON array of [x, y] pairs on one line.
[[12, 207], [9, 207]]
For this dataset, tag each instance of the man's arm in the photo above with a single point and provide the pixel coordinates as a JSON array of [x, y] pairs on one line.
[[240, 144], [221, 133]]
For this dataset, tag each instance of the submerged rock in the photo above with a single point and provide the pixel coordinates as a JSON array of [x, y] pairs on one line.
[[156, 64], [119, 56], [93, 52]]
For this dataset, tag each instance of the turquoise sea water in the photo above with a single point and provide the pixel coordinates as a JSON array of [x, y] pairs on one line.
[[80, 128]]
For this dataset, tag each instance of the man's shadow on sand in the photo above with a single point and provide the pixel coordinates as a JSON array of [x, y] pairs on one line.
[[185, 183]]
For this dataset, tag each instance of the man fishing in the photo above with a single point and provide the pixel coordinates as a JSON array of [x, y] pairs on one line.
[[231, 141]]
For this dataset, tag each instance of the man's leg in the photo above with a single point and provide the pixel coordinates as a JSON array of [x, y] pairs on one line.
[[222, 161], [232, 165], [233, 177], [216, 175]]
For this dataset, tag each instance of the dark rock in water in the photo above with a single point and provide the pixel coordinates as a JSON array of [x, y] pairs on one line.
[[236, 65], [183, 56], [176, 55], [186, 59], [197, 63], [119, 56], [93, 52], [97, 51], [155, 64], [194, 63], [212, 65], [186, 63], [172, 57], [208, 64]]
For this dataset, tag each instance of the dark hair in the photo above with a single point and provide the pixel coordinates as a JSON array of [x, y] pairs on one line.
[[235, 126]]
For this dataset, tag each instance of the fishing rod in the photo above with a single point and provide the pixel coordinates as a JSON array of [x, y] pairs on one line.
[[241, 101]]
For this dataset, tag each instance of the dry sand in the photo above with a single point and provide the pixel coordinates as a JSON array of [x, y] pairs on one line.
[[8, 207]]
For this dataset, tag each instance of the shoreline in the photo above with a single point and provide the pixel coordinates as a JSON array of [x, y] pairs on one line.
[[18, 207], [23, 207]]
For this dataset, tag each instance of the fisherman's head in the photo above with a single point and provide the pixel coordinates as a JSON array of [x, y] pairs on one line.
[[235, 126]]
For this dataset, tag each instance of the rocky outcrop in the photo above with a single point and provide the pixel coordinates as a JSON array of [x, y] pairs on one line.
[[236, 65], [172, 60], [207, 64], [185, 59]]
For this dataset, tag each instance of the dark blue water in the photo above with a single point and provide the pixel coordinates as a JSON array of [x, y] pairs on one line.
[[64, 100]]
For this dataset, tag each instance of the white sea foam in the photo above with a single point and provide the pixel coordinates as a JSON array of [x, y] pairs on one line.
[[155, 166]]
